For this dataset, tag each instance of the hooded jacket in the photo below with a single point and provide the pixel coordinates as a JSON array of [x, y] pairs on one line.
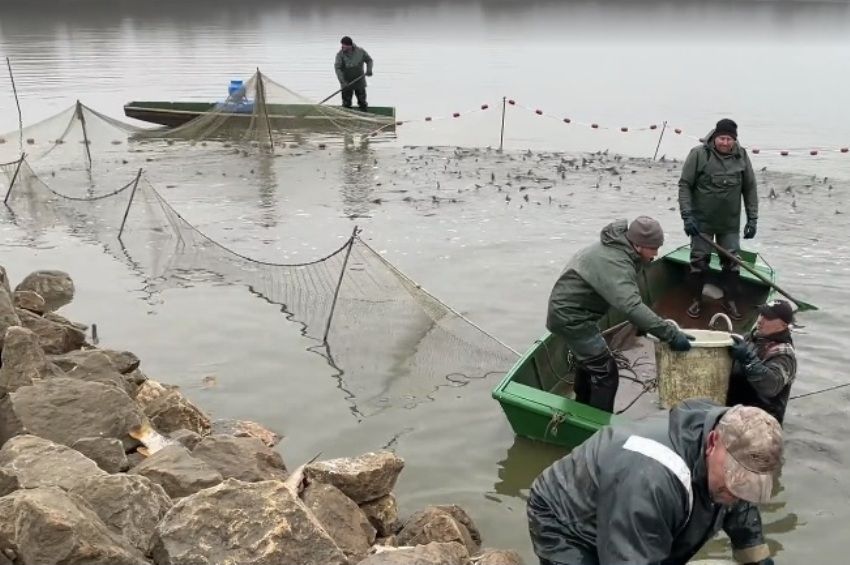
[[599, 277], [612, 501], [349, 66], [712, 185]]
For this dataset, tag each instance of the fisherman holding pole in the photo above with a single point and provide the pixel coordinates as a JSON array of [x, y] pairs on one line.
[[349, 71]]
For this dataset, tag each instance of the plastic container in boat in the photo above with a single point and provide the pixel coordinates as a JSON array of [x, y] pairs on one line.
[[702, 372]]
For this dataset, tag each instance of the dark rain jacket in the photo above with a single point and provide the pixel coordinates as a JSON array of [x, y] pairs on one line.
[[639, 496], [599, 277], [712, 185], [765, 379], [349, 66]]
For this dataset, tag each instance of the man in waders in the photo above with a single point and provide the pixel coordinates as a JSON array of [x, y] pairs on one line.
[[765, 363], [655, 493], [597, 278], [715, 177], [349, 71]]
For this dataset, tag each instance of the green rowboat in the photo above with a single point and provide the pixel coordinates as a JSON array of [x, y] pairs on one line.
[[281, 116], [536, 393]]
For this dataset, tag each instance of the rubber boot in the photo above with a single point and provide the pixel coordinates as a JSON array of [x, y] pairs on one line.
[[695, 283], [731, 292], [581, 386], [604, 381]]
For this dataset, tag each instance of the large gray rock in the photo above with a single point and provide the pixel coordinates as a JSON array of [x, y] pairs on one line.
[[187, 438], [430, 554], [8, 314], [65, 410], [29, 300], [436, 524], [180, 474], [38, 462], [47, 525], [4, 281], [54, 317], [107, 452], [122, 361], [498, 557], [382, 514], [93, 366], [54, 337], [8, 481], [131, 505], [246, 428], [56, 287], [23, 360], [342, 519], [366, 477], [243, 458], [169, 410], [238, 523]]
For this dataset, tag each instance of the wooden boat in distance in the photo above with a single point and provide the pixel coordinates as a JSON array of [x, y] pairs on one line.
[[536, 394], [281, 116]]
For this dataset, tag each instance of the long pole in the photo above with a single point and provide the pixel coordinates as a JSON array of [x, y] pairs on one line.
[[660, 137], [339, 283], [14, 178], [502, 134], [343, 87], [86, 142], [130, 203], [262, 91], [18, 104]]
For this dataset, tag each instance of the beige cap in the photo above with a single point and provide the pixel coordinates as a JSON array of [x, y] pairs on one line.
[[753, 441], [645, 232]]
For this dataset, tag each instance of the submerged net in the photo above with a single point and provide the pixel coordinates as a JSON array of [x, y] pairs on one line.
[[390, 343]]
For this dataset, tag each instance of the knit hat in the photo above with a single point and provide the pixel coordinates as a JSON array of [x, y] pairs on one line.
[[347, 41], [753, 441], [645, 232], [726, 127], [777, 309]]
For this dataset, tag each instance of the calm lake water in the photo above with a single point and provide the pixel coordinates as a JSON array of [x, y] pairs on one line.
[[779, 68]]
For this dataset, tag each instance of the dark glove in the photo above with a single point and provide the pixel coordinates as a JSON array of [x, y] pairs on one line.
[[740, 350], [691, 227], [750, 229], [681, 341], [368, 73]]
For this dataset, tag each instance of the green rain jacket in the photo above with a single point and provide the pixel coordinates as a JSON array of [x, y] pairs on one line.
[[712, 185], [599, 277], [349, 65]]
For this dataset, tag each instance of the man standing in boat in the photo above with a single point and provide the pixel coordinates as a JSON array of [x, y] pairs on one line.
[[657, 492], [765, 363], [600, 277], [349, 71], [716, 176]]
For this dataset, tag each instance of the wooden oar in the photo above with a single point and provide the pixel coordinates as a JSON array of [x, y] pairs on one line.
[[803, 306], [342, 88]]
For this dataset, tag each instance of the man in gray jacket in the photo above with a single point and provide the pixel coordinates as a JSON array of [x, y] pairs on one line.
[[349, 63], [655, 493]]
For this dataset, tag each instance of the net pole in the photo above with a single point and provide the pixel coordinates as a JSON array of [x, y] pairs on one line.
[[18, 104], [660, 137], [14, 178], [79, 112], [339, 282], [262, 91], [502, 135], [130, 203]]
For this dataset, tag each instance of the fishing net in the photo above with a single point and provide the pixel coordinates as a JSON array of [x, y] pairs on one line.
[[388, 342]]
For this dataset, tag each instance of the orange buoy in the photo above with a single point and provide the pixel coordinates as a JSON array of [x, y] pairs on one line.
[[594, 126], [756, 150], [456, 115], [567, 120], [624, 129], [511, 102], [484, 106], [813, 152], [539, 112], [783, 153]]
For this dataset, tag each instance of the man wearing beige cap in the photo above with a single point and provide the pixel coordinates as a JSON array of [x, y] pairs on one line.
[[600, 277], [655, 493]]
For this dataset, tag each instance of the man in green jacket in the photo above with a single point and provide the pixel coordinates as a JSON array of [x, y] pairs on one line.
[[349, 71], [599, 277], [716, 176]]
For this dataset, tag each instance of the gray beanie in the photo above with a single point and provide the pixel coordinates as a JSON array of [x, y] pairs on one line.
[[645, 232]]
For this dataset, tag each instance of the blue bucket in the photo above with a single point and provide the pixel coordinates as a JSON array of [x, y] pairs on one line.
[[235, 85]]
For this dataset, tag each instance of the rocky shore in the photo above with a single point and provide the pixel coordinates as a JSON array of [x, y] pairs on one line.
[[100, 464]]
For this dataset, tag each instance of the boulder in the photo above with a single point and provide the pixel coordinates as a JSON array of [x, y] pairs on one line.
[[29, 300], [238, 523], [48, 525], [54, 337], [65, 410], [169, 410], [107, 452], [243, 458], [4, 281], [39, 462], [382, 514], [123, 362], [148, 392], [56, 287], [131, 505], [430, 554], [23, 360], [389, 541], [435, 524], [54, 317], [461, 516], [179, 473], [8, 481], [366, 477], [498, 557], [8, 314], [342, 519], [92, 366], [187, 438], [246, 428]]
